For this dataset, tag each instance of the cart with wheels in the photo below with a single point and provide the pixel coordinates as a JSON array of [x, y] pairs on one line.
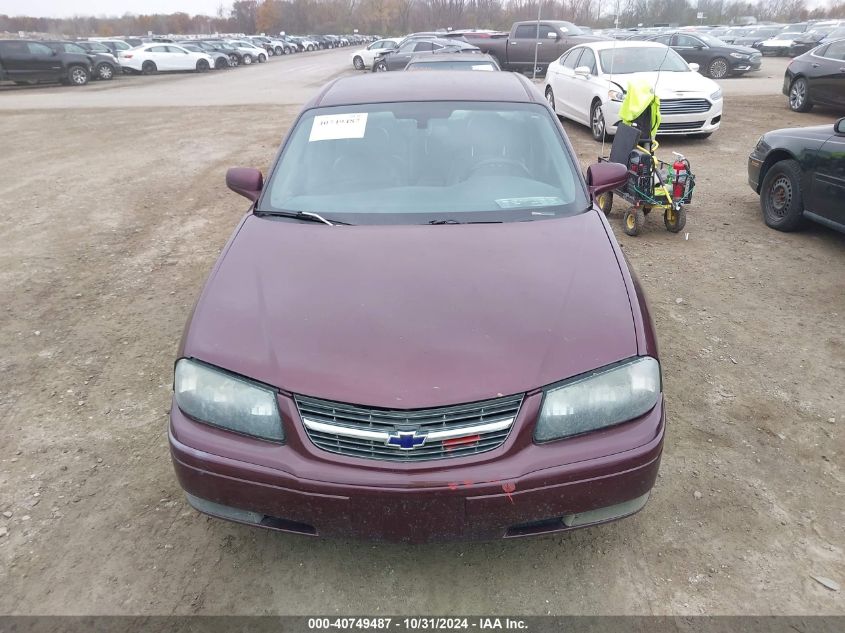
[[652, 183]]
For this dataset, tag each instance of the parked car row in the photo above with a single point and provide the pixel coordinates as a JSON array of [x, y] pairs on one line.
[[28, 62]]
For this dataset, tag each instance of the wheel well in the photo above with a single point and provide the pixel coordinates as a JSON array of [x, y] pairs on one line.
[[795, 78], [594, 102], [774, 157]]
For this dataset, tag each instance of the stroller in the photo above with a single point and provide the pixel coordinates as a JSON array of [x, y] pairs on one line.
[[652, 183]]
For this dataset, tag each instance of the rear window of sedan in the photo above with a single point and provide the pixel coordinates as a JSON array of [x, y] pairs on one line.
[[416, 162]]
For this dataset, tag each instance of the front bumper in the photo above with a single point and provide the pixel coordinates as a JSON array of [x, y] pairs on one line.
[[518, 489], [755, 165], [672, 124], [781, 48], [746, 65]]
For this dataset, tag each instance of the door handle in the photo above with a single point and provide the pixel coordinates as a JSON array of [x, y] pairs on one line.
[[815, 65], [842, 69], [514, 43]]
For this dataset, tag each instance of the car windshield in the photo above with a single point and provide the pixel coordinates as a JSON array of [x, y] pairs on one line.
[[710, 40], [767, 32], [451, 65], [401, 163], [641, 59]]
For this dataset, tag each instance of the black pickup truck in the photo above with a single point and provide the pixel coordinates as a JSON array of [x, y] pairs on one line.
[[515, 50], [27, 62]]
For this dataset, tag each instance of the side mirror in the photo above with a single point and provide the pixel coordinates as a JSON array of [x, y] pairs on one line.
[[245, 181], [603, 177], [694, 67], [582, 71], [839, 127]]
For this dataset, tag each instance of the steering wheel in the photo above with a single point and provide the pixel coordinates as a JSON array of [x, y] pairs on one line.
[[496, 163]]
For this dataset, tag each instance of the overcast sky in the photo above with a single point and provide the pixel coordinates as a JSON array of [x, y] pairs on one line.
[[65, 8]]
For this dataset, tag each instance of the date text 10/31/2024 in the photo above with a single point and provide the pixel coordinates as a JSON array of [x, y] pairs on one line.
[[420, 623]]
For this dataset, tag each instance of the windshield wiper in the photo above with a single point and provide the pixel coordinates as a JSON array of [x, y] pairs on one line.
[[305, 216], [450, 221]]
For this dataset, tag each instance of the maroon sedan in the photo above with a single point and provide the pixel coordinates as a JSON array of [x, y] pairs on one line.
[[423, 329]]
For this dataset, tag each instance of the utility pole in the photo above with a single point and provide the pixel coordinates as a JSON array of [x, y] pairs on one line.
[[537, 43]]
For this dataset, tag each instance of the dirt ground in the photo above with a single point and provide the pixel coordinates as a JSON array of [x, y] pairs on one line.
[[110, 219]]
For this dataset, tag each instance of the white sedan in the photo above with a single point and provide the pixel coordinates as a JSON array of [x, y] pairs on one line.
[[155, 57], [364, 58], [588, 82]]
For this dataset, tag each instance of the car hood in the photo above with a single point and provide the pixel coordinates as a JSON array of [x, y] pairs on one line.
[[671, 85], [414, 316], [745, 50], [819, 133]]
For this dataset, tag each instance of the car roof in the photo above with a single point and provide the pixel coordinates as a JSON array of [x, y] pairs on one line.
[[613, 44], [436, 85]]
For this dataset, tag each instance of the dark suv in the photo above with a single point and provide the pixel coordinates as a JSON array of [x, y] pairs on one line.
[[29, 62]]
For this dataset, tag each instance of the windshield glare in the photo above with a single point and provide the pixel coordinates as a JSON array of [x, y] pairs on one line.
[[641, 59], [451, 65], [417, 162]]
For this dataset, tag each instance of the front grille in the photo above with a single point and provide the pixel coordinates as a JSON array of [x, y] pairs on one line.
[[683, 106], [688, 126], [455, 431]]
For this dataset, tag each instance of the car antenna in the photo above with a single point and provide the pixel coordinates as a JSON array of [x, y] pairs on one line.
[[612, 60]]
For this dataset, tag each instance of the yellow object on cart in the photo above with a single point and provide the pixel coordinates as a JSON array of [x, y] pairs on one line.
[[640, 96]]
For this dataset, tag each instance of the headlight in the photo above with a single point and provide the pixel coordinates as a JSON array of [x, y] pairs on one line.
[[615, 95], [600, 399], [716, 95], [215, 397], [740, 56]]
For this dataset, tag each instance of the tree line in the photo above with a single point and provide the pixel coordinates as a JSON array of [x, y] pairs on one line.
[[394, 17]]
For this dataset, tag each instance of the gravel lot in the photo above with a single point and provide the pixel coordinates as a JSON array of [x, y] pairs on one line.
[[111, 217]]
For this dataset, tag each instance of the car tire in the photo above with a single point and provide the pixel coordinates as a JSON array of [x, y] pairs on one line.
[[105, 71], [605, 202], [262, 58], [550, 97], [202, 66], [234, 61], [799, 96], [633, 221], [77, 75], [221, 62], [247, 59], [718, 68], [148, 68], [270, 52], [674, 221], [279, 51], [780, 196], [358, 63], [598, 128], [380, 67]]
